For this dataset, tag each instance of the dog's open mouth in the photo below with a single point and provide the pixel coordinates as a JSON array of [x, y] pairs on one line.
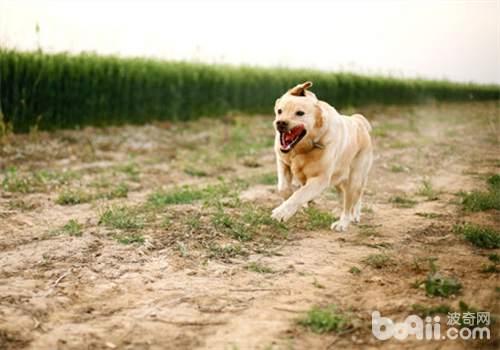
[[291, 137]]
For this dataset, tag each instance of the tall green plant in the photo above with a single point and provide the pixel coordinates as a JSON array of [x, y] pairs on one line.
[[68, 91]]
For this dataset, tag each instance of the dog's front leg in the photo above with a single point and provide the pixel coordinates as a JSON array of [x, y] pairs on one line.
[[284, 180], [313, 187]]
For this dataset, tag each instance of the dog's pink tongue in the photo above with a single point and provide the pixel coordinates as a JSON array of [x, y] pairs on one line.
[[291, 135]]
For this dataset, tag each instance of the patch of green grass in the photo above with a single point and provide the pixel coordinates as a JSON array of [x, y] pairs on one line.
[[195, 172], [19, 205], [383, 129], [131, 167], [384, 245], [427, 190], [46, 260], [212, 194], [429, 215], [133, 237], [13, 182], [165, 221], [495, 267], [317, 219], [469, 172], [252, 163], [435, 285], [368, 232], [246, 222], [121, 191], [449, 150], [72, 228], [268, 179], [397, 169], [122, 217], [268, 252], [223, 194], [257, 217], [73, 196], [402, 202], [483, 237], [36, 182], [367, 210], [415, 265], [432, 310], [182, 248], [494, 180], [377, 260], [55, 233], [365, 229], [178, 195], [476, 160], [318, 285], [232, 225], [241, 141], [354, 270], [260, 268], [102, 182], [332, 194], [483, 200], [228, 250], [324, 320], [193, 221], [494, 258], [452, 133], [399, 144]]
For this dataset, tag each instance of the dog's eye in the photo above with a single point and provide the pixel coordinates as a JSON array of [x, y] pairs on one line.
[[300, 113], [279, 111]]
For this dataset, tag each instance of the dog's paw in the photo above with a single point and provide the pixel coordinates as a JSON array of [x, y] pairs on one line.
[[339, 226], [282, 213], [356, 218]]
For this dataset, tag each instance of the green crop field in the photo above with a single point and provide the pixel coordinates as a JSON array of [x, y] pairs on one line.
[[56, 91]]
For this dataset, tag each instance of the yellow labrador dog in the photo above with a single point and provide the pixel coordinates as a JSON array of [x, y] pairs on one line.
[[321, 149]]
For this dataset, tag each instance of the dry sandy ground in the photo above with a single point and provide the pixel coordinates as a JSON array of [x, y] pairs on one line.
[[172, 291]]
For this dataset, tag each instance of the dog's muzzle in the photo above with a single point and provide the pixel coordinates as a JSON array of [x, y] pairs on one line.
[[289, 138]]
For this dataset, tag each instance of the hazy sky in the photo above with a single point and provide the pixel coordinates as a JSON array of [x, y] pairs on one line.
[[456, 40]]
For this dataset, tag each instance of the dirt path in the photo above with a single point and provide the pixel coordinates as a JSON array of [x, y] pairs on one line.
[[212, 271]]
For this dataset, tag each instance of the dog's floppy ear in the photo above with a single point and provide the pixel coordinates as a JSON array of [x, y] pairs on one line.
[[300, 90]]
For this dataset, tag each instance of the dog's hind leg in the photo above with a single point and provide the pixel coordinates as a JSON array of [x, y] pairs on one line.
[[356, 210], [353, 190], [337, 210], [352, 194]]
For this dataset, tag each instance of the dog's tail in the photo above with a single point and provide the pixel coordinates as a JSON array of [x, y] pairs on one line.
[[364, 121]]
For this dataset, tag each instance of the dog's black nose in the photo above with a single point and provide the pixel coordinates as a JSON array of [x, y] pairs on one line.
[[282, 125]]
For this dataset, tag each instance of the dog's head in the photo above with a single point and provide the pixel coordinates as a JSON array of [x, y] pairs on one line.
[[299, 117]]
